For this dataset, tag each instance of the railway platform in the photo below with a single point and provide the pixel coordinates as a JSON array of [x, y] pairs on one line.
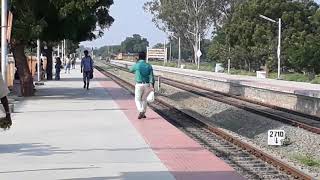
[[66, 132], [297, 96]]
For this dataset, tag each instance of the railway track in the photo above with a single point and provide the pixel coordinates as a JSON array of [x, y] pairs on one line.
[[293, 118], [245, 158]]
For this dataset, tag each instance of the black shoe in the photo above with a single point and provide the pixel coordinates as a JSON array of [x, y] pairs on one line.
[[140, 116], [144, 116], [84, 86]]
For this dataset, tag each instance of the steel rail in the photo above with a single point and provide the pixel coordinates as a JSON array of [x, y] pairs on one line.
[[236, 102], [297, 174]]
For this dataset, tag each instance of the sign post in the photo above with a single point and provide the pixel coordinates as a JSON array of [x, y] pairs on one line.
[[276, 137], [199, 54], [156, 54]]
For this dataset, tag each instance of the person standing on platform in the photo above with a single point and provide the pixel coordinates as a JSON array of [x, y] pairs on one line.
[[87, 69], [4, 91], [58, 68], [144, 79], [68, 64], [73, 62]]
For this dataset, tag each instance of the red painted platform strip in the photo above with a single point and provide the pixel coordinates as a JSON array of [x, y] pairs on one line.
[[184, 157]]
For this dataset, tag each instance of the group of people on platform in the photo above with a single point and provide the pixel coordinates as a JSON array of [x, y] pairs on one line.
[[70, 63], [144, 79]]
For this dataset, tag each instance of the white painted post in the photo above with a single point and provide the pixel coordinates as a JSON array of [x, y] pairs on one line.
[[170, 58], [4, 43], [200, 50], [229, 62], [62, 55], [279, 50], [147, 58], [64, 50], [38, 60], [165, 52], [179, 60], [58, 50]]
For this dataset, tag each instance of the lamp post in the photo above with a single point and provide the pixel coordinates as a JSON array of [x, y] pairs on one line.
[[279, 41], [179, 39], [4, 43]]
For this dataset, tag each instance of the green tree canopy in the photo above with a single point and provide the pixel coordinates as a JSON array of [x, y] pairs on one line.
[[134, 44], [253, 40], [52, 21]]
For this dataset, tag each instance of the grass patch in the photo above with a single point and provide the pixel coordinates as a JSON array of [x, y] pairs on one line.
[[296, 77], [316, 80], [307, 160], [242, 72]]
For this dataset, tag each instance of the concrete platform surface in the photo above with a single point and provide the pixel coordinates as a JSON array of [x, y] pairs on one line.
[[66, 132], [297, 88]]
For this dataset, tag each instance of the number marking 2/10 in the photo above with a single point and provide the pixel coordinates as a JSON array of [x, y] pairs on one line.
[[276, 134]]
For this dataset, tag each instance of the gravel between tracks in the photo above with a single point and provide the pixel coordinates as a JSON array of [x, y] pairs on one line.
[[248, 126]]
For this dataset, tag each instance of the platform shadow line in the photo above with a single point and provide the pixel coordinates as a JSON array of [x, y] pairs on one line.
[[52, 169], [79, 110]]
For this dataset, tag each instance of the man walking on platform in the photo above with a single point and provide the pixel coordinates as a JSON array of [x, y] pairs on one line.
[[144, 79], [4, 101], [86, 69]]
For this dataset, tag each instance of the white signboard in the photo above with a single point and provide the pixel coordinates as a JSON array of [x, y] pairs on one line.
[[157, 54], [276, 137]]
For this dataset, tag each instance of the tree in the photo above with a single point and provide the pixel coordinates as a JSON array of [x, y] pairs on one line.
[[134, 44], [52, 21], [184, 16], [253, 40]]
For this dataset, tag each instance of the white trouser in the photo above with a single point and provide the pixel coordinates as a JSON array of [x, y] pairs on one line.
[[141, 103]]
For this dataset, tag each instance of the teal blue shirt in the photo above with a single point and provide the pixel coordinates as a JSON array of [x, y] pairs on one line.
[[143, 72]]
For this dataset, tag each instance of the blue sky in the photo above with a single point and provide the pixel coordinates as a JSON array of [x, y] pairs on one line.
[[130, 19]]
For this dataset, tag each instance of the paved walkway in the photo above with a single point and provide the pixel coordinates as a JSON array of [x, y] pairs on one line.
[[66, 132]]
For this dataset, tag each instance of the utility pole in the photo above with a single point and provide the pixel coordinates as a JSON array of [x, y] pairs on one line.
[[4, 43], [179, 42], [279, 41], [279, 49]]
